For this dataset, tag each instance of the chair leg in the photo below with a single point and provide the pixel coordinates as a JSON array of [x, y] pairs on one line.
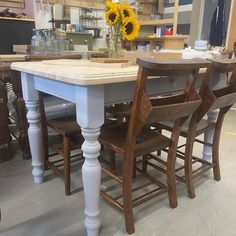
[[46, 153], [188, 168], [144, 163], [112, 157], [171, 159], [159, 151], [171, 179], [127, 196], [134, 170], [188, 159], [128, 210], [215, 147], [66, 146]]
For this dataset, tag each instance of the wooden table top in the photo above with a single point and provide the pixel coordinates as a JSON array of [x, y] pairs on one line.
[[81, 72]]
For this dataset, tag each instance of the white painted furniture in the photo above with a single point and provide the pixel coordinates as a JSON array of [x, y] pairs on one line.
[[91, 86]]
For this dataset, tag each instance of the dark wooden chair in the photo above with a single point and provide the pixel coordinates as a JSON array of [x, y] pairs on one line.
[[67, 134], [221, 99], [136, 138], [5, 137], [66, 138]]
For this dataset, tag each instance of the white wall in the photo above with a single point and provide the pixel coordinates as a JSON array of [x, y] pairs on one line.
[[42, 16]]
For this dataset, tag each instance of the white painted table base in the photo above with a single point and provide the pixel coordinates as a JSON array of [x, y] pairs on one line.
[[110, 87], [89, 118]]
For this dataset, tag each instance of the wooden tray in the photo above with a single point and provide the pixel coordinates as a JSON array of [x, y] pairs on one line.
[[109, 60], [86, 63]]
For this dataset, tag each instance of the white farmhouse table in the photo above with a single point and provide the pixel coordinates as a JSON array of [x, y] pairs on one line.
[[90, 86]]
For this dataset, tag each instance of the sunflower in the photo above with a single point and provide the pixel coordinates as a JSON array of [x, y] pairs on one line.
[[126, 11], [110, 5], [112, 16], [130, 28]]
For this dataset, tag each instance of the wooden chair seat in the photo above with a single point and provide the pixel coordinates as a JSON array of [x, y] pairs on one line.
[[203, 126], [148, 140], [68, 138], [65, 126]]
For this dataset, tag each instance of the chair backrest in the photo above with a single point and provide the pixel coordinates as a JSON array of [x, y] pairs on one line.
[[218, 98], [147, 110]]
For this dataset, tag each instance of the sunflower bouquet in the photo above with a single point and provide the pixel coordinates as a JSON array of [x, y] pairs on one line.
[[122, 22]]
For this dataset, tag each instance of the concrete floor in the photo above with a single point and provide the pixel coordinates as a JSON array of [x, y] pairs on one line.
[[43, 210]]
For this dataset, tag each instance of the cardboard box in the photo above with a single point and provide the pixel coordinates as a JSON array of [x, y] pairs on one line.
[[161, 7], [151, 7], [147, 9], [144, 17]]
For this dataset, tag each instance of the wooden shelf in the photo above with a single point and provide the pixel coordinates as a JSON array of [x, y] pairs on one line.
[[157, 22], [167, 42], [13, 18], [90, 18], [81, 3], [159, 39]]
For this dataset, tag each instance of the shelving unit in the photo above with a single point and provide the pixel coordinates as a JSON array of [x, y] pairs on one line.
[[168, 42], [158, 22], [89, 20]]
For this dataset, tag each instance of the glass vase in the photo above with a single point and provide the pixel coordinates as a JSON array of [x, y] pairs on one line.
[[114, 47]]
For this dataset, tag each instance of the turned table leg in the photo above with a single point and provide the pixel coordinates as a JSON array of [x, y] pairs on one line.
[[31, 98], [90, 116]]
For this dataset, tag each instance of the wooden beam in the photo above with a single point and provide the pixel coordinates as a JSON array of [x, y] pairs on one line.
[[176, 11], [157, 22], [231, 35]]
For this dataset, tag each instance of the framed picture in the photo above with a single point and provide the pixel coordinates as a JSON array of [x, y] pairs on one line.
[[12, 3]]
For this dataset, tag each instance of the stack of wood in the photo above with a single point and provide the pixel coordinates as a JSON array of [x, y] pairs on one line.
[[21, 49]]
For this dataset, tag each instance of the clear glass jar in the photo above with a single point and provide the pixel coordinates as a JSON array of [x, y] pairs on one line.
[[62, 45], [50, 42], [37, 43]]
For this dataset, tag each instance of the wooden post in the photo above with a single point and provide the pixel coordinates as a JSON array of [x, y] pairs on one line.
[[176, 11], [231, 36]]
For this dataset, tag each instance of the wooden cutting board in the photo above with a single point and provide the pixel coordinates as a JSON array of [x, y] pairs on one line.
[[109, 60], [86, 63]]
